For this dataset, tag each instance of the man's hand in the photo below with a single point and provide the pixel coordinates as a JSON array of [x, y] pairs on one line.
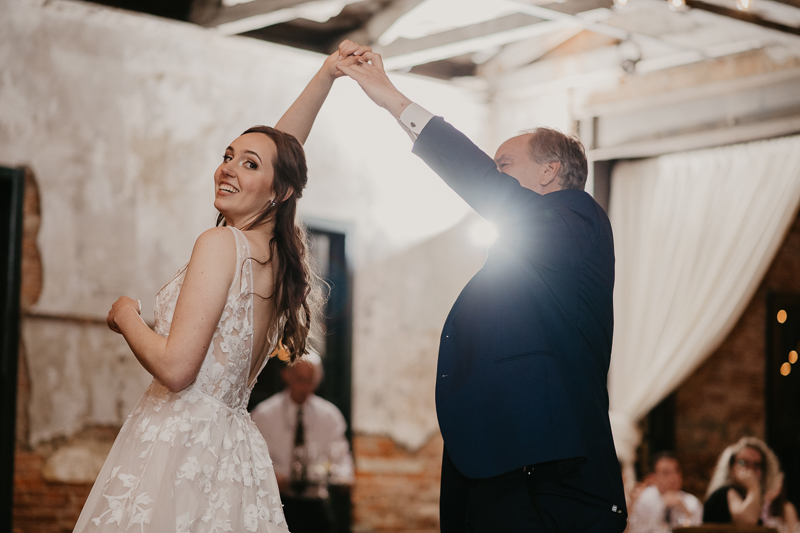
[[372, 78]]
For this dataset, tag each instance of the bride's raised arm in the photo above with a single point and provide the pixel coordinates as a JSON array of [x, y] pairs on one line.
[[300, 116]]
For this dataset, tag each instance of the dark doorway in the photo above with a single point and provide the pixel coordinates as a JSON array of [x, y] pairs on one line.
[[658, 434], [333, 343], [782, 386], [12, 188]]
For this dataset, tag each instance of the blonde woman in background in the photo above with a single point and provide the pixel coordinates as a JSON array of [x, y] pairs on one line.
[[747, 488]]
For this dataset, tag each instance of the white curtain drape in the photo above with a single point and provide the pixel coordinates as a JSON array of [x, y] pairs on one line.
[[694, 235]]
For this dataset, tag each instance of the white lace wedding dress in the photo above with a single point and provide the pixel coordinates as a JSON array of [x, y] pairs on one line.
[[193, 461]]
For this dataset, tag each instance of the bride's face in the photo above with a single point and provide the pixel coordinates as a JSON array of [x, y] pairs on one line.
[[243, 181]]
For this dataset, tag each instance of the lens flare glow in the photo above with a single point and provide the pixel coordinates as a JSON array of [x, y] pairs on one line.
[[482, 233]]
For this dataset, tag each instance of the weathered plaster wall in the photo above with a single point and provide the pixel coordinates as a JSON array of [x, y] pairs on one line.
[[123, 119]]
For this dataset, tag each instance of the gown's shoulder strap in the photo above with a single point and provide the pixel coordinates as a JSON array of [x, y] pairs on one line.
[[243, 277]]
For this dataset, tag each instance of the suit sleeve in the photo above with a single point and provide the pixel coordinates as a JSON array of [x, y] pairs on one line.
[[548, 232], [470, 172]]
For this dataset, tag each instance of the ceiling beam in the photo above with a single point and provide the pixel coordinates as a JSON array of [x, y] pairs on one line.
[[793, 3], [566, 12], [743, 16], [225, 14], [384, 19], [241, 18], [525, 52], [704, 139], [532, 21], [571, 7], [404, 53]]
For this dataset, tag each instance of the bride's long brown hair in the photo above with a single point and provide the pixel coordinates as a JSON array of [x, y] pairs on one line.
[[293, 278]]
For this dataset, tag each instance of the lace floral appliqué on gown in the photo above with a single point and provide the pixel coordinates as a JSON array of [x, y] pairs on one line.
[[193, 461]]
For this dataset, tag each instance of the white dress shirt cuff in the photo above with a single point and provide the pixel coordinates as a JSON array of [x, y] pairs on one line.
[[413, 120]]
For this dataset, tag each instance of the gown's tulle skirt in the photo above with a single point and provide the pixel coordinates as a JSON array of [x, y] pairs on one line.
[[185, 462]]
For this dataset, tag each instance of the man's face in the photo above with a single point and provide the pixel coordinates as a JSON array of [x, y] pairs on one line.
[[301, 380], [513, 158], [667, 475]]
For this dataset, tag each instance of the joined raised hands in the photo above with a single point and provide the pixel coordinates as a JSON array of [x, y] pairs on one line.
[[350, 48], [300, 116], [367, 70], [348, 53]]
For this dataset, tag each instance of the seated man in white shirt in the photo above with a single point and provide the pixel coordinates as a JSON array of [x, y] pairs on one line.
[[663, 503], [307, 444]]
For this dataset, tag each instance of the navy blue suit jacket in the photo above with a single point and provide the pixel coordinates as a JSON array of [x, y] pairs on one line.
[[524, 353]]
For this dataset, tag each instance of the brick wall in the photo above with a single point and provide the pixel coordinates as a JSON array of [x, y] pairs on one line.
[[396, 490], [724, 399], [41, 506]]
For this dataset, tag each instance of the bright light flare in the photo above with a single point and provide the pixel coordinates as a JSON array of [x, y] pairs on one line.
[[677, 5], [482, 233]]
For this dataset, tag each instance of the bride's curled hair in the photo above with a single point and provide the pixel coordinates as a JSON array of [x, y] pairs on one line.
[[294, 279]]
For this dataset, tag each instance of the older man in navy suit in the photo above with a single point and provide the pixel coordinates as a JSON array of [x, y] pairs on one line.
[[521, 391]]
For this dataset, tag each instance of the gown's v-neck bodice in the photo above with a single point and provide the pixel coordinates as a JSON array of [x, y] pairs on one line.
[[226, 367]]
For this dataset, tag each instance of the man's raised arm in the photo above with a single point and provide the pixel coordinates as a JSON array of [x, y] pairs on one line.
[[471, 173]]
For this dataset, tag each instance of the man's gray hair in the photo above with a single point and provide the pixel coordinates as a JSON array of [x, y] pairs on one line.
[[547, 145]]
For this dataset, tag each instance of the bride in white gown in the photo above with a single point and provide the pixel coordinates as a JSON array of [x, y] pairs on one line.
[[189, 459]]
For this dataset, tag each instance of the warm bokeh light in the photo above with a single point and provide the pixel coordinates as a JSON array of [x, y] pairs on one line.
[[793, 357], [782, 316], [744, 5], [785, 369]]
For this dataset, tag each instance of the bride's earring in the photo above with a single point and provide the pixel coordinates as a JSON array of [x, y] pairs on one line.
[[272, 202]]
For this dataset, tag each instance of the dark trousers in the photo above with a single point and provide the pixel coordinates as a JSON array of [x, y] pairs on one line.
[[307, 515], [521, 501]]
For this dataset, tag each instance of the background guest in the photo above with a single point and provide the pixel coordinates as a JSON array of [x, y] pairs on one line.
[[662, 502], [737, 490], [307, 443]]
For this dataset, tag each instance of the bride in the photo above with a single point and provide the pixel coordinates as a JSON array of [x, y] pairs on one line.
[[189, 459]]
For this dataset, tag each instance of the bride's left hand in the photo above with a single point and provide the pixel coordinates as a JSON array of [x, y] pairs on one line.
[[118, 307]]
